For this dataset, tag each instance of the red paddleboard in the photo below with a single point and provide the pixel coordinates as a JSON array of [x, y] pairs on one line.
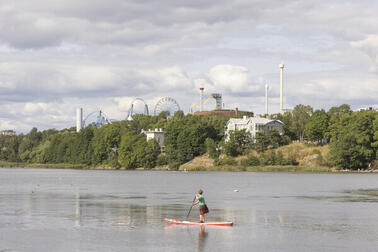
[[209, 223]]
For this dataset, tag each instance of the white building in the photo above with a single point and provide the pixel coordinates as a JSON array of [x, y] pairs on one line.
[[7, 132], [157, 134], [253, 125]]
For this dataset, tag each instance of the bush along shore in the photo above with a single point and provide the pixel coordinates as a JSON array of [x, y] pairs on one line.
[[278, 168], [188, 168], [296, 157], [4, 164]]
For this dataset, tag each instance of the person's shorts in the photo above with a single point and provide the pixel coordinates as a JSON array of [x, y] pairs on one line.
[[203, 210]]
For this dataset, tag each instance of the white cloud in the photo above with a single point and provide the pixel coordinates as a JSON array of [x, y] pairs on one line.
[[227, 79], [232, 78], [33, 108], [123, 103], [369, 45], [173, 77]]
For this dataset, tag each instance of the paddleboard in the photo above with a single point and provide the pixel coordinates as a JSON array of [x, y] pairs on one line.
[[208, 223]]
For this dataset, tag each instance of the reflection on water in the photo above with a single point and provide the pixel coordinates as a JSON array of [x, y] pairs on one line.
[[201, 239], [365, 195], [369, 192], [189, 232], [118, 211], [83, 210], [77, 210]]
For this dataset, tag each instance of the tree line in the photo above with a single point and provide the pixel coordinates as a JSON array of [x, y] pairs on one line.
[[352, 138]]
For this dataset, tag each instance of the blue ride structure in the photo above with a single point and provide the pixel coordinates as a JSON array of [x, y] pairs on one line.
[[100, 119]]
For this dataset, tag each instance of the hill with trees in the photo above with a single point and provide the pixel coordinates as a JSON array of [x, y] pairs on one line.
[[351, 138]]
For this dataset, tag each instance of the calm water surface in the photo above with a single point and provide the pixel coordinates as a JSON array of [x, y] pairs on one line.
[[73, 210]]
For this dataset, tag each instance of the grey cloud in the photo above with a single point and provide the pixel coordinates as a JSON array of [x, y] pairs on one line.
[[131, 22], [39, 23], [24, 29]]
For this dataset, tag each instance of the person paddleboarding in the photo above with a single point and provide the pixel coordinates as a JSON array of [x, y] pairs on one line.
[[200, 201]]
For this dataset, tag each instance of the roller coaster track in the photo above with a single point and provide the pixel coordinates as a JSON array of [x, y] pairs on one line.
[[198, 105]]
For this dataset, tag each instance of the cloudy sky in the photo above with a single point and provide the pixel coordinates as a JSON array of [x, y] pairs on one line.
[[57, 55]]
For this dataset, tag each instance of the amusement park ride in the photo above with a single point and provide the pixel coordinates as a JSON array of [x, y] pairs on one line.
[[165, 104], [101, 119], [98, 118], [130, 112], [168, 105], [218, 102]]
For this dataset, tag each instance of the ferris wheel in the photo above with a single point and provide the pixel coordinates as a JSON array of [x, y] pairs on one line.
[[168, 105]]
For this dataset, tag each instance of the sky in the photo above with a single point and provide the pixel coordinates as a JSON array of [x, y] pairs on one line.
[[56, 56]]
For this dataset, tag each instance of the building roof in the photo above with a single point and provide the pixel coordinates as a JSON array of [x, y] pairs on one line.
[[245, 120], [160, 130]]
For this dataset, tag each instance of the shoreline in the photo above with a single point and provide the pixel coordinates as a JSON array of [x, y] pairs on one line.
[[278, 168], [186, 168]]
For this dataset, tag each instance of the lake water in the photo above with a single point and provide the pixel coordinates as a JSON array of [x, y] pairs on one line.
[[81, 210]]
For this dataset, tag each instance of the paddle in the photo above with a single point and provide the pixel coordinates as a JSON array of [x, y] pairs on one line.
[[191, 207]]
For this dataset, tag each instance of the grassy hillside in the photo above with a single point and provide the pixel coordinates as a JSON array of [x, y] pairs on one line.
[[310, 158], [306, 154]]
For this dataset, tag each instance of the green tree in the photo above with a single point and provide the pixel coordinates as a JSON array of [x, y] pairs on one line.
[[129, 146], [9, 146], [28, 142], [215, 125], [335, 114], [82, 149], [238, 141], [39, 154], [25, 148], [150, 154], [105, 141], [191, 142], [301, 115], [287, 120], [274, 138], [375, 138], [179, 114], [211, 148], [162, 160], [60, 148], [351, 142], [35, 136], [261, 142], [185, 138], [317, 127]]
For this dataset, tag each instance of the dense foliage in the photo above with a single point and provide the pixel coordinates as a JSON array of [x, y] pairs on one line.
[[353, 138], [119, 144]]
